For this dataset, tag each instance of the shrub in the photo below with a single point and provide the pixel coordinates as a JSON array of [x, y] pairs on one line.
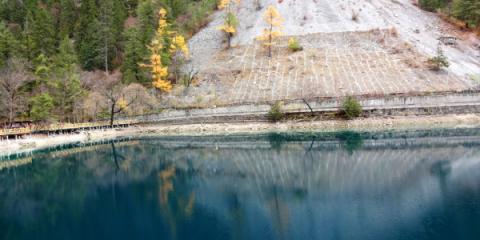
[[351, 108], [294, 45], [276, 113], [439, 61]]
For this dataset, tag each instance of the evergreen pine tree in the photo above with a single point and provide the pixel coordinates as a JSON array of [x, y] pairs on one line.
[[134, 53], [67, 18], [87, 38], [175, 7], [42, 105], [43, 33], [111, 17], [14, 11], [8, 44], [107, 33], [469, 11], [27, 43], [67, 79], [147, 17]]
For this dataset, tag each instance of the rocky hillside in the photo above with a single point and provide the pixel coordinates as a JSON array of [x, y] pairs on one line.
[[416, 27]]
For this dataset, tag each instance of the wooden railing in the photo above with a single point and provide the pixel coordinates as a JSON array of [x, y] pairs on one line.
[[62, 126], [15, 131]]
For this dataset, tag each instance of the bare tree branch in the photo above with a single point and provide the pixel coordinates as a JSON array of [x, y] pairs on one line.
[[13, 76]]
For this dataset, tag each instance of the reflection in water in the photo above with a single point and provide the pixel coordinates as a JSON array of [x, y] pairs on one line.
[[323, 186]]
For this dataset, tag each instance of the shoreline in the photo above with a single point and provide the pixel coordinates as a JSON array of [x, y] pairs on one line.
[[373, 124]]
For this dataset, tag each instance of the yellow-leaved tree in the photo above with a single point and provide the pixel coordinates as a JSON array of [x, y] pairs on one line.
[[272, 31], [164, 46], [122, 104], [178, 44], [230, 22]]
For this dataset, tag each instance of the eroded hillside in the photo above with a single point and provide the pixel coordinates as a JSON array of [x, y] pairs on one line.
[[368, 47], [419, 28]]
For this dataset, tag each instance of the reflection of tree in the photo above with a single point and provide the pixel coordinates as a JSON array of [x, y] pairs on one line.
[[276, 140], [351, 141], [441, 170], [279, 212], [237, 213], [62, 183], [166, 180], [179, 210], [45, 188], [116, 157], [58, 183]]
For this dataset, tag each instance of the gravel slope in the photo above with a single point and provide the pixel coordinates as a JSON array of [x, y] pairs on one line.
[[419, 28]]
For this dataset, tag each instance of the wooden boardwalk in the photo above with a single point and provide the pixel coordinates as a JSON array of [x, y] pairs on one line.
[[56, 127]]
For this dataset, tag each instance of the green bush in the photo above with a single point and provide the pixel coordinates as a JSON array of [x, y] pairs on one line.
[[276, 113], [351, 108], [439, 61], [294, 45]]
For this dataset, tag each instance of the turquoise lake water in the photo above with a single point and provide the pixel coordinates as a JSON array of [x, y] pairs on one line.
[[402, 185]]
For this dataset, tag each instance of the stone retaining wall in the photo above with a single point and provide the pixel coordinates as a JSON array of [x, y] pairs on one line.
[[373, 106]]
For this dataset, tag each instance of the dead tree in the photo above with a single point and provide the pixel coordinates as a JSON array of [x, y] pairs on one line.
[[115, 92], [13, 76]]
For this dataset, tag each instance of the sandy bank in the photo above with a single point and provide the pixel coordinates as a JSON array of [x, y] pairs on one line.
[[37, 142]]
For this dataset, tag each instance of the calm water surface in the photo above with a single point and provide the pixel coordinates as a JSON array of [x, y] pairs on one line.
[[423, 185]]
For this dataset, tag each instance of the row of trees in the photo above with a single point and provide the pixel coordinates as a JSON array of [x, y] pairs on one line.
[[70, 60], [466, 10], [61, 59]]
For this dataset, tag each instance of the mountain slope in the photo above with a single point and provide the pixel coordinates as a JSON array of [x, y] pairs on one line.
[[418, 28]]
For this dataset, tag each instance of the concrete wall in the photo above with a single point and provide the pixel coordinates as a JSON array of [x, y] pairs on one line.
[[382, 105]]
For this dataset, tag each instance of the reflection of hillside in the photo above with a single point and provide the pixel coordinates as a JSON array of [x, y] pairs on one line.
[[380, 182], [303, 165]]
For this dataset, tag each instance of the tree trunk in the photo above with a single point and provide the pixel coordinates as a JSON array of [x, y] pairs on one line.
[[175, 69], [229, 40], [11, 111], [10, 117], [112, 114], [270, 39], [106, 56], [106, 41]]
